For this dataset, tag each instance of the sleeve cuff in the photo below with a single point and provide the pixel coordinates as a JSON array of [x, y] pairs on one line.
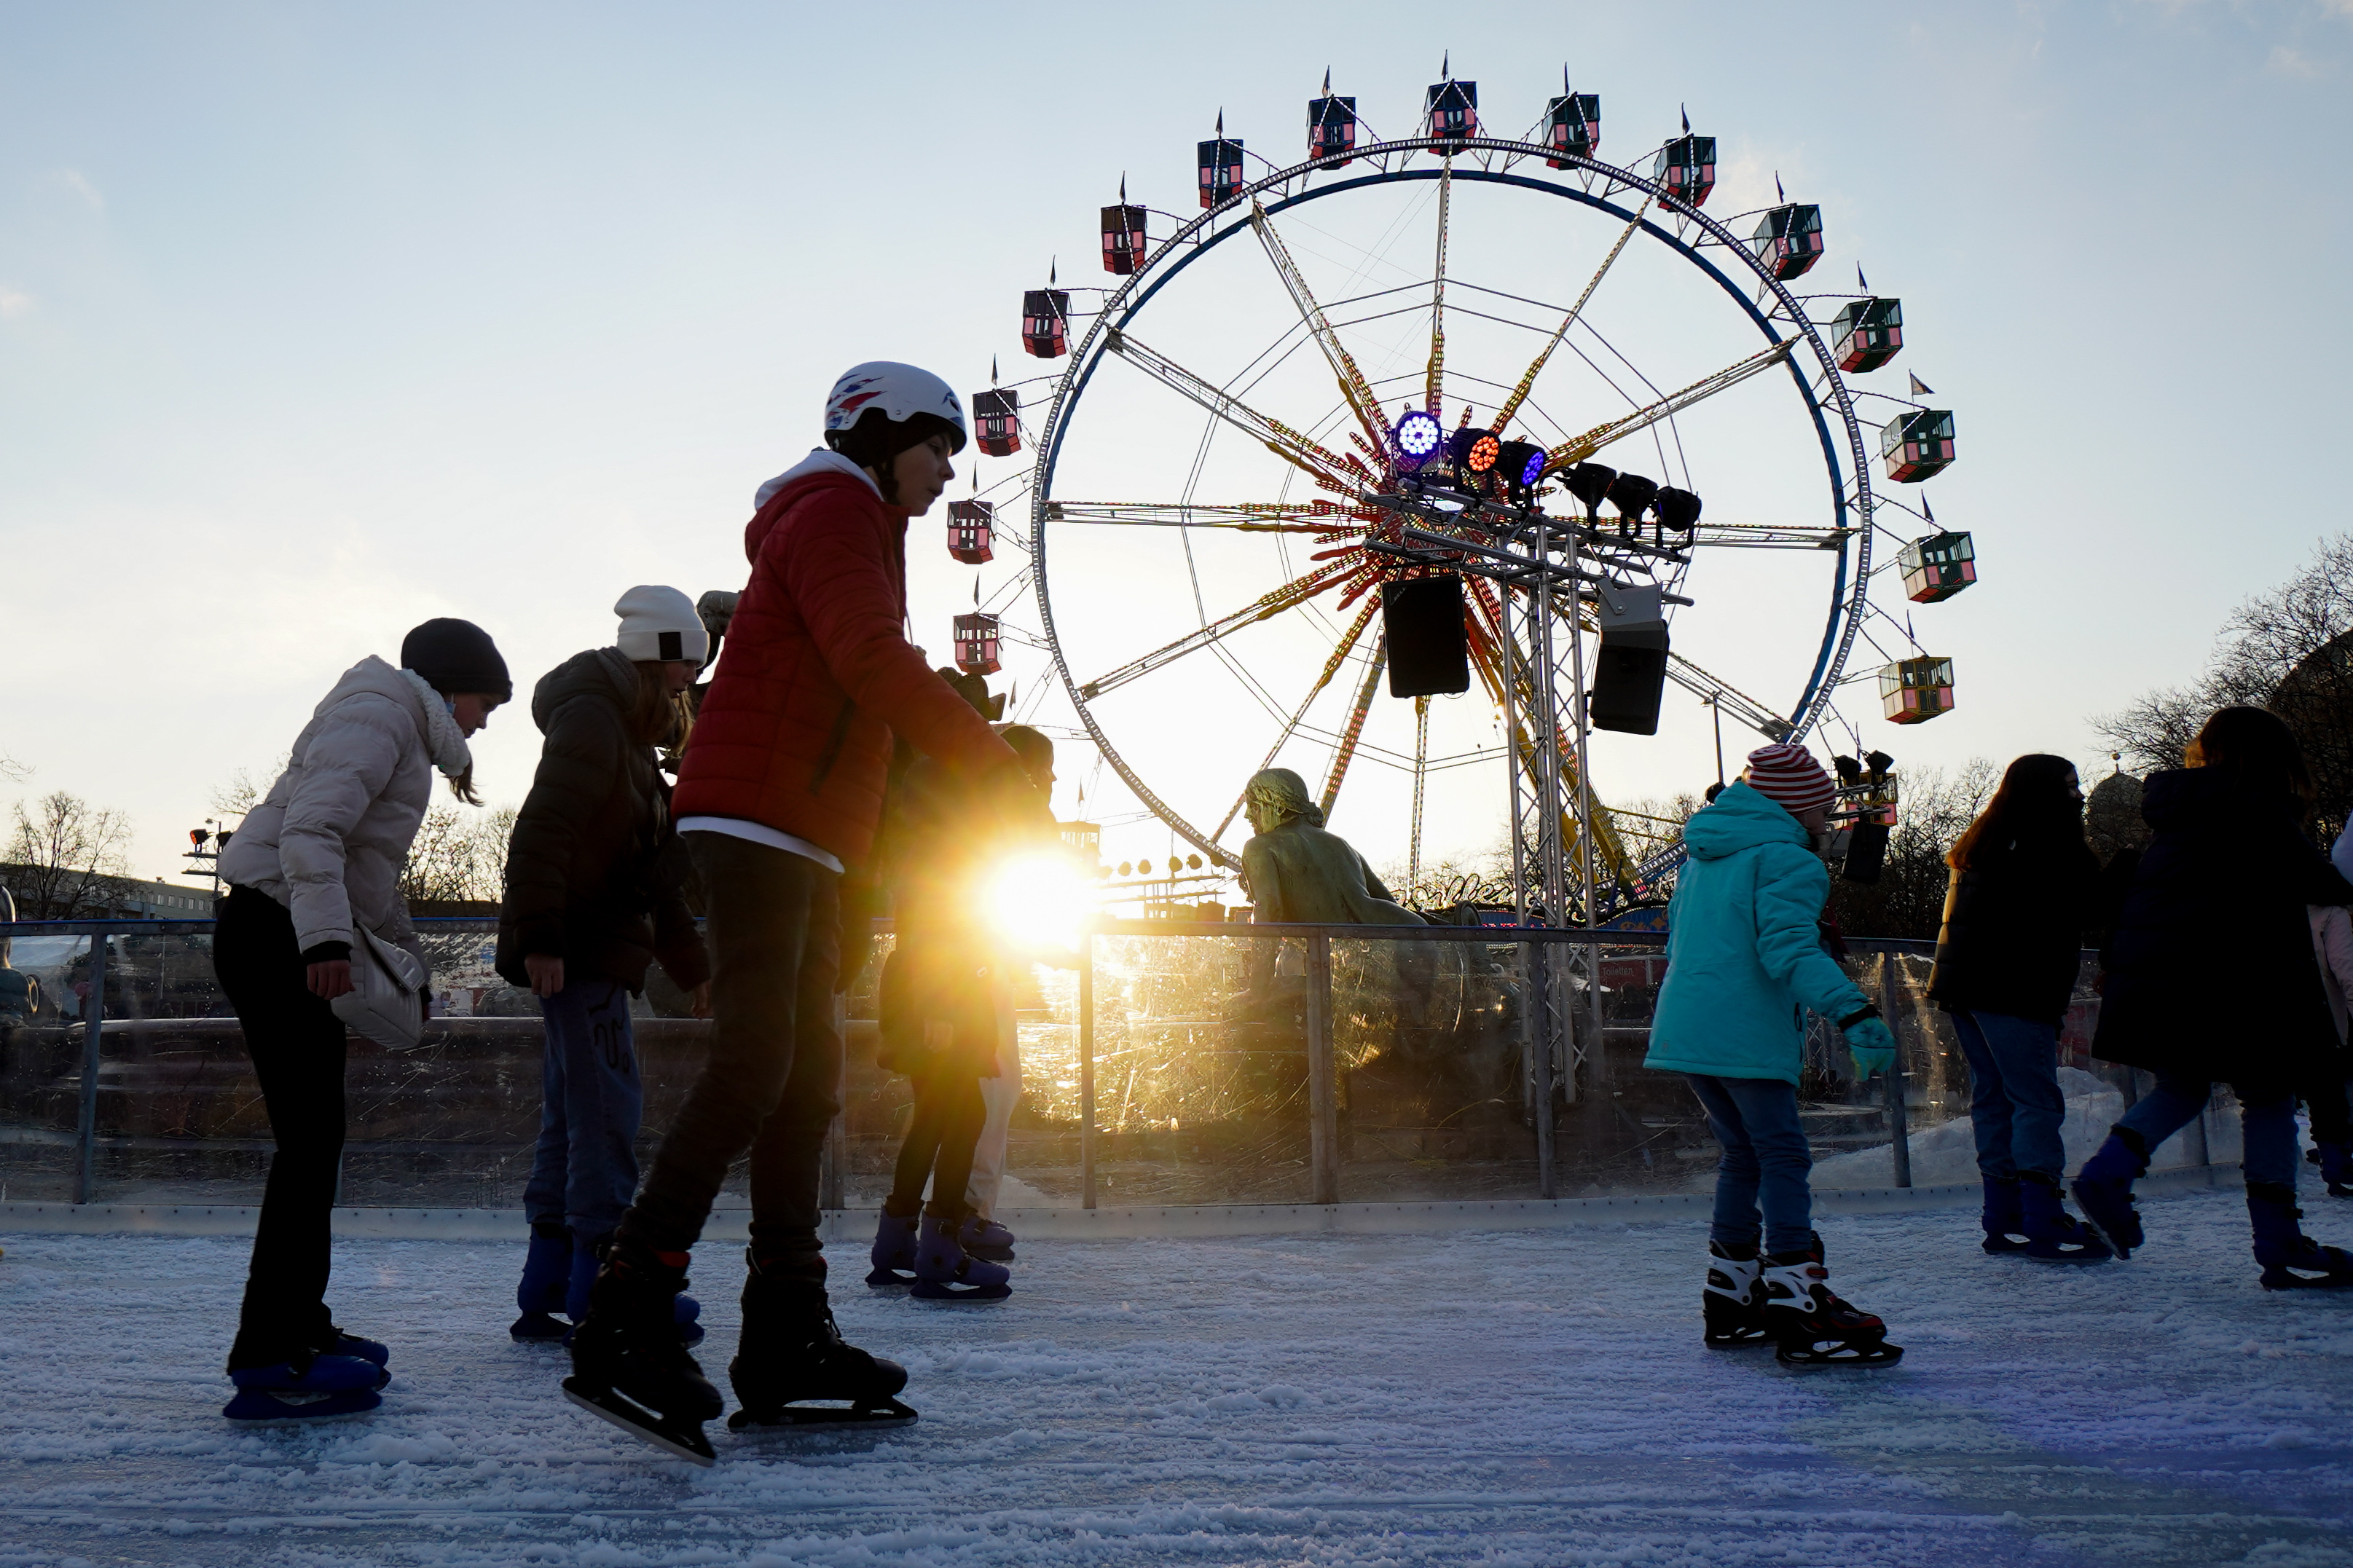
[[328, 952], [1866, 1011]]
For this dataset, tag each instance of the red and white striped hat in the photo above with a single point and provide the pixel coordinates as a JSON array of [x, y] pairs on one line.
[[1787, 776]]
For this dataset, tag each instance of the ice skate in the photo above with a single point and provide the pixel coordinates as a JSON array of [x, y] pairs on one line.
[[2291, 1260], [2053, 1235], [894, 1251], [2104, 1189], [985, 1238], [308, 1388], [628, 1366], [2003, 1221], [546, 1274], [1731, 1302], [685, 1312], [2336, 1162], [1812, 1326], [792, 1357], [945, 1273]]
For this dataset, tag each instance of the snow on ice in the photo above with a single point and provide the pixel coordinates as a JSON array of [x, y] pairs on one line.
[[1532, 1397]]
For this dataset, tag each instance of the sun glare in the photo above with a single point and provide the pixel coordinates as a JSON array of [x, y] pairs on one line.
[[1040, 900]]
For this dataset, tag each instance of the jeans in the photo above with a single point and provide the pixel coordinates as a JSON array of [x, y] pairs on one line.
[[771, 1082], [1765, 1162], [297, 1044], [2268, 1126], [2015, 1106], [585, 1169]]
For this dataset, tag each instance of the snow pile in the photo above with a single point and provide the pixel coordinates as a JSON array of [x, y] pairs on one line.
[[1527, 1398], [1948, 1152]]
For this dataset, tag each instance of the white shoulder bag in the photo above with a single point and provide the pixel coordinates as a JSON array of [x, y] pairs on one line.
[[387, 1000]]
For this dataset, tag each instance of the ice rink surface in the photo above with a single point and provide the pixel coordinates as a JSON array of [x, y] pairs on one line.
[[1536, 1397]]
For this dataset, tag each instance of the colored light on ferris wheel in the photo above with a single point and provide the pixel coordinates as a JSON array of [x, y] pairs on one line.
[[1484, 453], [1419, 433]]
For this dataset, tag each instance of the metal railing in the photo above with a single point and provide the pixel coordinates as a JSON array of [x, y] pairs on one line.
[[1318, 1025]]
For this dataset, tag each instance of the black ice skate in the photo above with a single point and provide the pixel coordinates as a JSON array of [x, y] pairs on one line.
[[1733, 1301], [793, 1372], [628, 1366], [1812, 1326]]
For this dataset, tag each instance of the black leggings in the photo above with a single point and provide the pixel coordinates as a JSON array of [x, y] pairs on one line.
[[941, 1131], [297, 1044]]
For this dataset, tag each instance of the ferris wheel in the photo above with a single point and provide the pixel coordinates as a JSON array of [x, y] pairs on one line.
[[1529, 440]]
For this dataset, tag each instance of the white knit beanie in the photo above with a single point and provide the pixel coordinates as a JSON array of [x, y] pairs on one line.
[[659, 623]]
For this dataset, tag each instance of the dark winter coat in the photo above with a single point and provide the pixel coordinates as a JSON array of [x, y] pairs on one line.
[[2211, 969], [596, 874], [2012, 937], [795, 730]]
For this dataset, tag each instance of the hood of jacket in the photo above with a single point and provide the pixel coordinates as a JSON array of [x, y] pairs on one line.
[[1741, 818], [822, 460], [605, 672], [2186, 799]]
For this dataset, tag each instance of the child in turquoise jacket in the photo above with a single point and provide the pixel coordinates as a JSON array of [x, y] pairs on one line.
[[1744, 963]]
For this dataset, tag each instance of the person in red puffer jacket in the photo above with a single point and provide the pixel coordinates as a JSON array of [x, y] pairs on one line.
[[778, 796]]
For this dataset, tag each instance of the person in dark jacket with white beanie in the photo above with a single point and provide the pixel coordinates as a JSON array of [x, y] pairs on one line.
[[596, 892], [312, 872], [2211, 978], [2021, 893]]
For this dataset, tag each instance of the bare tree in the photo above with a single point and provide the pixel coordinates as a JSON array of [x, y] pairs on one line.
[[458, 857], [13, 771], [2291, 650], [67, 859], [245, 790], [1932, 811]]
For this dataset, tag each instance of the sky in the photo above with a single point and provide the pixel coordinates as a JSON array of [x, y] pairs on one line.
[[316, 322]]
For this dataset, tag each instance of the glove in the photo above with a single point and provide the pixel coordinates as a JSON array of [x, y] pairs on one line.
[[1872, 1045]]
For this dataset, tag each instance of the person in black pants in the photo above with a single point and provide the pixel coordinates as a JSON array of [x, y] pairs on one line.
[[316, 863], [939, 999]]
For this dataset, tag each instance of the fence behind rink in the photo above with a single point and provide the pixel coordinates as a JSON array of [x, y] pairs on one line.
[[1369, 1065]]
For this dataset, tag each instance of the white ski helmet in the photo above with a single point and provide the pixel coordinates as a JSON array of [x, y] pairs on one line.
[[901, 391]]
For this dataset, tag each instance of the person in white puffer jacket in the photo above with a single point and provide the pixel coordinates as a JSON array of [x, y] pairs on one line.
[[311, 867]]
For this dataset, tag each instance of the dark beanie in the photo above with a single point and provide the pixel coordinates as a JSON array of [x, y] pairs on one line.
[[455, 656]]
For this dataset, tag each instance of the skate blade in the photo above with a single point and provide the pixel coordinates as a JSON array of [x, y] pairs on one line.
[[960, 1293], [2086, 1255], [258, 1407], [2285, 1280], [794, 1419], [2001, 1246], [684, 1438], [889, 1280], [538, 1328], [1841, 1353], [1739, 1340]]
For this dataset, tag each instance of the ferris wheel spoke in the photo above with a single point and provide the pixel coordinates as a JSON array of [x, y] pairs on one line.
[[1434, 379], [1298, 715], [1726, 698], [1249, 517], [1319, 463], [1528, 380], [1346, 751], [1292, 594], [1579, 448], [1344, 364]]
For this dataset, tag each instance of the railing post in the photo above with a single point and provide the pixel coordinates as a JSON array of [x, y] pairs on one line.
[[1087, 1068], [1543, 1002], [1322, 1095], [93, 1024], [1898, 1125], [832, 1162]]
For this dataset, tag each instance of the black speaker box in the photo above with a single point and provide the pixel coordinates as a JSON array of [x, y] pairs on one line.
[[1430, 656], [1630, 672], [1866, 852]]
